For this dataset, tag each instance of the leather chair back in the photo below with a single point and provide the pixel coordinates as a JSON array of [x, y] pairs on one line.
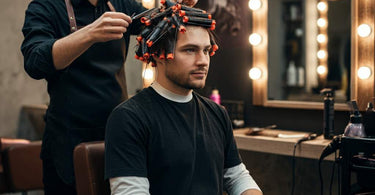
[[23, 168], [89, 169]]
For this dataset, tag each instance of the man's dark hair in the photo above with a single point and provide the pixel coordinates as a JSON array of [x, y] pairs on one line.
[[162, 25]]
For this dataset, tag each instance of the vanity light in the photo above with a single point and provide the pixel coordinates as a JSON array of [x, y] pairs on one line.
[[321, 22], [255, 73], [148, 3], [364, 72], [255, 39], [364, 30], [148, 74], [321, 69], [321, 54], [321, 38], [322, 6], [255, 4]]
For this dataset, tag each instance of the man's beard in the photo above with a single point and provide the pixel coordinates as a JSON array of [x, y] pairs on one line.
[[183, 82]]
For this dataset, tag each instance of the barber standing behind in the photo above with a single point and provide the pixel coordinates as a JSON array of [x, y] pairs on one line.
[[84, 67]]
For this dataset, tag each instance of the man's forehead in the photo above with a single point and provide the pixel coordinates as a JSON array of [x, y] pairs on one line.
[[194, 35]]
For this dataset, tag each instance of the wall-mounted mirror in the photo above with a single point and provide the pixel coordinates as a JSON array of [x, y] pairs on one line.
[[308, 45], [293, 49]]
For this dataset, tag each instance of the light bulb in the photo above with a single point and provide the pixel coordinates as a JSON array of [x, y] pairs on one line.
[[321, 22], [148, 3], [321, 38], [322, 6], [321, 69], [255, 73], [364, 30], [255, 4], [321, 54], [148, 74], [364, 72], [255, 39]]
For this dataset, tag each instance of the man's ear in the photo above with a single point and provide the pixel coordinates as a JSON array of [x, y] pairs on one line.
[[159, 61]]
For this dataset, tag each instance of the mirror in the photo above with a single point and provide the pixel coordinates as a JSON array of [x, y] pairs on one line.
[[304, 54], [293, 49]]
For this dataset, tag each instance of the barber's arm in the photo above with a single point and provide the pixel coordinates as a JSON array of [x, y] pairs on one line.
[[110, 26]]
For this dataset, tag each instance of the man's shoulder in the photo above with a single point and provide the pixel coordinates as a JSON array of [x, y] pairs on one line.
[[142, 98], [206, 101]]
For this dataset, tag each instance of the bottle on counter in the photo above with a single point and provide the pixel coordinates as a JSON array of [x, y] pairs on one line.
[[355, 127], [291, 74], [329, 113], [215, 96]]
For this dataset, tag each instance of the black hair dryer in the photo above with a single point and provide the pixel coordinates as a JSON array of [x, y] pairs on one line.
[[329, 112]]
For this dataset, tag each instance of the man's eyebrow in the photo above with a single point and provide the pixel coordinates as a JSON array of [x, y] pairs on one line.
[[194, 45]]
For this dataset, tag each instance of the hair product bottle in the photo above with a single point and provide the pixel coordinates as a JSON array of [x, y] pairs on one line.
[[355, 127], [215, 96]]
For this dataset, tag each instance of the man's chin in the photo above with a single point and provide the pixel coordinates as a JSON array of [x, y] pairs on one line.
[[197, 85]]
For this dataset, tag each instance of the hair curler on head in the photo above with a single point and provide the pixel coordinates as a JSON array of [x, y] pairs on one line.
[[162, 25]]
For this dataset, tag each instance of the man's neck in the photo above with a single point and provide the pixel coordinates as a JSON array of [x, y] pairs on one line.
[[173, 88], [170, 95]]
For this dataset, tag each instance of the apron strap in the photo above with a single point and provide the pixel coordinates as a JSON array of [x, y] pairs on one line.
[[71, 17]]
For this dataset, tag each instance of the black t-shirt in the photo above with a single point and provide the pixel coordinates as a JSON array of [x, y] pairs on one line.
[[182, 148]]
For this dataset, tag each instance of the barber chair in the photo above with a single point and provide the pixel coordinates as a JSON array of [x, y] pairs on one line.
[[22, 166], [89, 169], [4, 144], [358, 156]]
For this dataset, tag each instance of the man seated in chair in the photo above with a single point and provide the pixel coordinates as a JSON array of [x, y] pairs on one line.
[[167, 139]]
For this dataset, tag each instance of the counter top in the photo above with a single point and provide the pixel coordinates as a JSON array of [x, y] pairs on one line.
[[269, 142]]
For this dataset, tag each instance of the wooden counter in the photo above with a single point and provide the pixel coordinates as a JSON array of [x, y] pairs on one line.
[[269, 143]]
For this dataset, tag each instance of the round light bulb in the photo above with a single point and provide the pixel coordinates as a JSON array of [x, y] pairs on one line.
[[255, 39], [255, 4], [364, 30], [321, 22], [321, 69], [321, 54], [364, 72], [321, 38], [322, 6], [255, 73], [148, 74]]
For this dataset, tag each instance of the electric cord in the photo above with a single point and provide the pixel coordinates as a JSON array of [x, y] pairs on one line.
[[332, 174], [293, 167], [320, 176], [339, 177], [310, 136]]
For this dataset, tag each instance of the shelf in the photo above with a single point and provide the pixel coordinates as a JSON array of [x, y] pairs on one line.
[[269, 143]]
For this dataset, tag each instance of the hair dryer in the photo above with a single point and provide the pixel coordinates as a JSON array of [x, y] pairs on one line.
[[331, 147]]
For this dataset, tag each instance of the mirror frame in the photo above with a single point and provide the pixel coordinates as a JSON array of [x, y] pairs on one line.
[[362, 53]]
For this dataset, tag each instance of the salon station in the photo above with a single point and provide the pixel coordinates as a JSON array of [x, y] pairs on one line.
[[296, 77]]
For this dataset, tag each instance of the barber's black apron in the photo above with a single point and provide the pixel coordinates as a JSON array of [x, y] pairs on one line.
[[81, 99]]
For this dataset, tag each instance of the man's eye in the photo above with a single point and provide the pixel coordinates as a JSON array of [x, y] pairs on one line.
[[190, 50], [206, 51]]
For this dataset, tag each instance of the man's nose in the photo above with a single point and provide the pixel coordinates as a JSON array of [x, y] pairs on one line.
[[202, 59]]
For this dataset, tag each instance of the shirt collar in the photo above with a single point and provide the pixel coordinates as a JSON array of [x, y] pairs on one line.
[[170, 95]]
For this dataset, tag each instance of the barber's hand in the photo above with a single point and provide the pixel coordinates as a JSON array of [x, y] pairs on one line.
[[109, 26], [190, 3]]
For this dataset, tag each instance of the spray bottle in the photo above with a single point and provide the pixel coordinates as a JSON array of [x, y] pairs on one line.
[[355, 127]]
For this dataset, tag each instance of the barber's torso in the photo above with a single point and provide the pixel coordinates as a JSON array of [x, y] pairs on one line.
[[83, 94]]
